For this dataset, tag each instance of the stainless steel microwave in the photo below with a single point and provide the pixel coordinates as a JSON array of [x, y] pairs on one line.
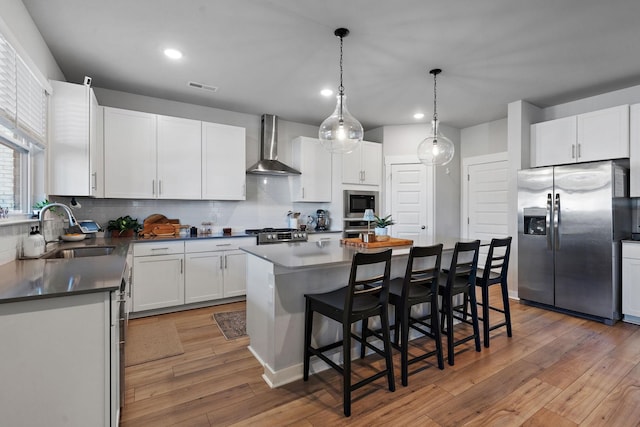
[[356, 201]]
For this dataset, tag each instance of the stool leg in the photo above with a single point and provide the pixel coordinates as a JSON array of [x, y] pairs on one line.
[[449, 332], [365, 330], [346, 373], [485, 313], [404, 346], [386, 336], [396, 333], [435, 329], [505, 302], [474, 315], [308, 322]]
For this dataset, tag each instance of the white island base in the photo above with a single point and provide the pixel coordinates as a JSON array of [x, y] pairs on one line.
[[278, 277]]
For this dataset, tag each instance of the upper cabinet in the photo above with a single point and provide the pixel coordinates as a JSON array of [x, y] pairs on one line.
[[634, 150], [598, 135], [314, 163], [363, 165], [75, 145], [223, 162], [151, 156]]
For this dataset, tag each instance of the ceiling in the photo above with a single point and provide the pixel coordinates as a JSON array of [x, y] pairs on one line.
[[274, 56]]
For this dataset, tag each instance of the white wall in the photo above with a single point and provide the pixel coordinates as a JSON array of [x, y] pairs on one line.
[[630, 95], [482, 139]]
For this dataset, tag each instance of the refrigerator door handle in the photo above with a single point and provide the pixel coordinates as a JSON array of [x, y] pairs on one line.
[[556, 221], [547, 220]]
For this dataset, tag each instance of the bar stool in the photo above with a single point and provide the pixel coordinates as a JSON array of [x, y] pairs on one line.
[[419, 285], [460, 279], [358, 301], [494, 273]]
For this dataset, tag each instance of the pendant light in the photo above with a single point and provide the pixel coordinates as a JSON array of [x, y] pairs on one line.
[[340, 132], [436, 149]]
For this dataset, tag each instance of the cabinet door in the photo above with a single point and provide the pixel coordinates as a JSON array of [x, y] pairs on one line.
[[634, 150], [179, 151], [96, 147], [69, 145], [352, 167], [314, 163], [158, 281], [630, 288], [371, 163], [603, 134], [235, 273], [223, 162], [203, 278], [553, 142], [129, 154]]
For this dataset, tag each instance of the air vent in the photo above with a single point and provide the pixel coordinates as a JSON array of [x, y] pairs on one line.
[[202, 86]]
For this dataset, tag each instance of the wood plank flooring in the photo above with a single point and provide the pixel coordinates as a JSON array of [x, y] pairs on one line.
[[556, 370]]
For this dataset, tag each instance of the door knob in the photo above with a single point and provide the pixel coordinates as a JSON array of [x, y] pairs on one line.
[[423, 227]]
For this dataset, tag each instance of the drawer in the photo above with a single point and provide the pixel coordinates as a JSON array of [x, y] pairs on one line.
[[223, 244], [158, 248], [631, 250]]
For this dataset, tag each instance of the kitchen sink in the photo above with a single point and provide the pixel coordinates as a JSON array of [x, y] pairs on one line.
[[80, 252]]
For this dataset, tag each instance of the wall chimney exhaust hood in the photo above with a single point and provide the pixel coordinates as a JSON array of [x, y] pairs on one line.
[[269, 163]]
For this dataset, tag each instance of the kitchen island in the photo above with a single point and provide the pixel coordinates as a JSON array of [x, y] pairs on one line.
[[278, 277]]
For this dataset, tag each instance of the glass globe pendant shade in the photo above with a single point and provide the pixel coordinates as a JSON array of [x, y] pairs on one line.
[[436, 149], [340, 132]]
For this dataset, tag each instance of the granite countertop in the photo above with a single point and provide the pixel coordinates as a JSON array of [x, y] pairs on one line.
[[26, 279], [323, 253]]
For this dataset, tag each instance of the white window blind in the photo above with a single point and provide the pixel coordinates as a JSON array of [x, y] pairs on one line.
[[23, 103]]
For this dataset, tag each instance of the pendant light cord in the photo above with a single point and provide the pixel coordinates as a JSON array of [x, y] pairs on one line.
[[435, 96], [341, 87]]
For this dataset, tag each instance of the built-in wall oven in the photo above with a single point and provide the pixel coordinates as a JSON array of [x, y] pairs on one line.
[[355, 203]]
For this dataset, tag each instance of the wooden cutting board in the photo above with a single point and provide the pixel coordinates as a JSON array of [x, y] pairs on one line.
[[355, 241]]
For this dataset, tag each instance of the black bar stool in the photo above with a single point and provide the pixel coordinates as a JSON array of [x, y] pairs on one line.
[[419, 285], [358, 301], [460, 279], [494, 273]]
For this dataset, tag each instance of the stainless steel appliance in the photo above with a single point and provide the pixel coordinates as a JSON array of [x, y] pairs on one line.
[[571, 220], [322, 220], [356, 201], [269, 163], [278, 235]]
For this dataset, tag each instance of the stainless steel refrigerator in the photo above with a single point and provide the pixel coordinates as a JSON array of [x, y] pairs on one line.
[[571, 220]]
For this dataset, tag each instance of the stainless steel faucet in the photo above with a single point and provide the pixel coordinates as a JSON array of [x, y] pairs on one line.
[[72, 219]]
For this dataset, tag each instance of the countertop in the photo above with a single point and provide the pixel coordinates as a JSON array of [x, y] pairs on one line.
[[323, 253], [26, 279]]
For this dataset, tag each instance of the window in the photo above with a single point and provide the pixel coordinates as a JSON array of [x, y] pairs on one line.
[[10, 178]]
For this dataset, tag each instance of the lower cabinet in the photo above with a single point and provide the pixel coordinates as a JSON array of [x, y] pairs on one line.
[[325, 236], [630, 285], [171, 274]]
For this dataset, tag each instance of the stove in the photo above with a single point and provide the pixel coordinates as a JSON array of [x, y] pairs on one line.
[[278, 235]]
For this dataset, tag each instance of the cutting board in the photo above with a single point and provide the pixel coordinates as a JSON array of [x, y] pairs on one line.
[[355, 241]]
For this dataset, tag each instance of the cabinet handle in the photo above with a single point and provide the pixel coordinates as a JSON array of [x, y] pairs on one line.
[[181, 266], [579, 146], [364, 176], [159, 187], [95, 181], [303, 192], [573, 151], [160, 249], [220, 262], [153, 187], [224, 244], [225, 262]]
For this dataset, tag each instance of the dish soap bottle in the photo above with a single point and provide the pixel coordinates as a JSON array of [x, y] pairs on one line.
[[33, 245]]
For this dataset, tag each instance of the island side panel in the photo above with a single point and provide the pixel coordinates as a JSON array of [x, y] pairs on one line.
[[260, 311]]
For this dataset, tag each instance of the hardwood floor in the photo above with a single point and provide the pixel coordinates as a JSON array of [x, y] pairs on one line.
[[556, 370]]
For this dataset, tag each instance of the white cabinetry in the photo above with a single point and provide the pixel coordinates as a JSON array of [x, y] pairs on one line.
[[314, 163], [598, 135], [75, 146], [158, 275], [215, 268], [57, 356], [630, 282], [178, 145], [223, 162], [129, 154], [634, 150], [363, 165], [324, 237]]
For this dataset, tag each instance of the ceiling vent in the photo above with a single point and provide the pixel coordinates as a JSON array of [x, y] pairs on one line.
[[202, 86]]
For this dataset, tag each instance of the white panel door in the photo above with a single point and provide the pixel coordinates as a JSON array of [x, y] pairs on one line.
[[223, 162], [603, 134], [203, 277], [487, 200], [409, 204], [235, 273]]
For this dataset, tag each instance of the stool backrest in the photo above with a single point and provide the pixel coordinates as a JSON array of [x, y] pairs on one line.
[[377, 285], [497, 260], [423, 268], [464, 262]]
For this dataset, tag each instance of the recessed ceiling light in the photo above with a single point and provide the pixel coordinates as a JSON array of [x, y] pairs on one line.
[[173, 53], [326, 92], [418, 116]]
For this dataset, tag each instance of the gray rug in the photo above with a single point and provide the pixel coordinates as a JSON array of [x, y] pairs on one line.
[[232, 324]]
